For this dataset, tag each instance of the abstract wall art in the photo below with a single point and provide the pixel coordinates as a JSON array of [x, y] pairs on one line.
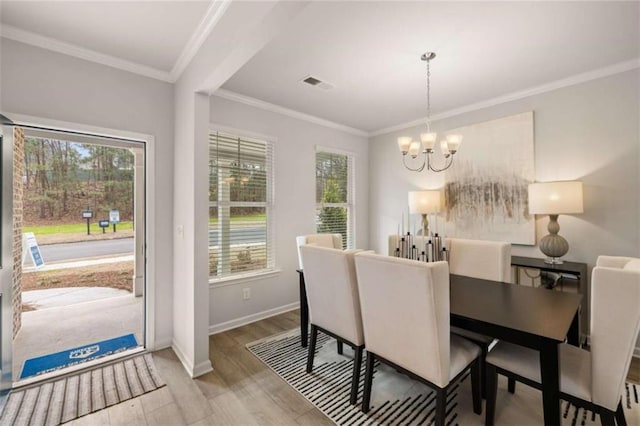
[[486, 188]]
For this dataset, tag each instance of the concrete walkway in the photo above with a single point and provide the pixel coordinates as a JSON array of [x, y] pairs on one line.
[[58, 328], [54, 297]]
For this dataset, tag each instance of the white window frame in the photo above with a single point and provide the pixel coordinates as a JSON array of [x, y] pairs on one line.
[[271, 268], [351, 191]]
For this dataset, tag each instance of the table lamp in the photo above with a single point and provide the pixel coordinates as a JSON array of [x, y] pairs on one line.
[[424, 203], [554, 198]]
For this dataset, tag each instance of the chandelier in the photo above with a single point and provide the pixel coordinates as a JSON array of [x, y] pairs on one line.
[[449, 146]]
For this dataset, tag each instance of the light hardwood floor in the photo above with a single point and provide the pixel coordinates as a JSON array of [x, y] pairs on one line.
[[240, 391]]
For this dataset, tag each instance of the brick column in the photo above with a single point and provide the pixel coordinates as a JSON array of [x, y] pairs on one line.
[[18, 173]]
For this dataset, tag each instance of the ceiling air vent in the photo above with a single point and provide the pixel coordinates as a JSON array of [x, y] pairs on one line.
[[316, 82]]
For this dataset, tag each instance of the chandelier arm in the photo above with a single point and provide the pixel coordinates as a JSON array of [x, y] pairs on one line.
[[448, 163], [419, 169]]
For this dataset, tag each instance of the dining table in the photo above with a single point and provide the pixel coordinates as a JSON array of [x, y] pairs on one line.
[[536, 318]]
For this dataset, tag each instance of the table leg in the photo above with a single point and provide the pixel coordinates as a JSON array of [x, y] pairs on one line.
[[550, 373], [304, 312]]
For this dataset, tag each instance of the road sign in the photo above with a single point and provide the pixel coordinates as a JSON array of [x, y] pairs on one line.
[[114, 216], [87, 214], [34, 250], [104, 224]]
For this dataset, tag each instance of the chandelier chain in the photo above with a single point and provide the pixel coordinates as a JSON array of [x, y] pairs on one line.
[[428, 95]]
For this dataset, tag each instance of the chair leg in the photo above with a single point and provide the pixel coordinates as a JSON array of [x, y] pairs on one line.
[[607, 417], [441, 407], [368, 381], [312, 348], [355, 379], [511, 385], [620, 419], [476, 385], [492, 392], [340, 348]]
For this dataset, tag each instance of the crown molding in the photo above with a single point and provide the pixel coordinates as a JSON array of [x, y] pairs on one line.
[[211, 18], [555, 85], [27, 37], [233, 96]]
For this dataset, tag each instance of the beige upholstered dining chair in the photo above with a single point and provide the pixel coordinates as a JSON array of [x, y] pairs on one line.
[[322, 240], [334, 305], [405, 315], [488, 260], [594, 379]]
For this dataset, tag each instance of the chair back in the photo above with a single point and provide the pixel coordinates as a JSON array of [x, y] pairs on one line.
[[332, 291], [405, 313], [488, 260], [615, 324], [322, 240]]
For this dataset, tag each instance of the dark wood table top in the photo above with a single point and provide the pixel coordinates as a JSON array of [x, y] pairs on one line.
[[490, 306]]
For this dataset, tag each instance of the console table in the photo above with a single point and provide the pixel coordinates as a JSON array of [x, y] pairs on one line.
[[577, 269]]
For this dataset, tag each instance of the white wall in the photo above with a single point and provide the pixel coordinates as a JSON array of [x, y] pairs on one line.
[[294, 203], [50, 85], [586, 132]]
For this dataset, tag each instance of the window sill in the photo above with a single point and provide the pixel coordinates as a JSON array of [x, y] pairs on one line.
[[238, 279]]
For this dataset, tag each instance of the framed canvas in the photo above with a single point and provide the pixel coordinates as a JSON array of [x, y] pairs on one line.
[[486, 189]]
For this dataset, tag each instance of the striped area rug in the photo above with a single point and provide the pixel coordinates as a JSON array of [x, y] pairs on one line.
[[398, 400], [74, 396]]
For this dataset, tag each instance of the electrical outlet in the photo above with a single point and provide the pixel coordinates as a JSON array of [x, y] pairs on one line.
[[246, 293]]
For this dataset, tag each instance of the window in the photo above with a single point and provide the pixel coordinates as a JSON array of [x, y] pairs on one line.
[[335, 211], [240, 204]]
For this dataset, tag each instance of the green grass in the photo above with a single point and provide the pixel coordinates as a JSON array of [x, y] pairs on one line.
[[255, 217], [71, 228]]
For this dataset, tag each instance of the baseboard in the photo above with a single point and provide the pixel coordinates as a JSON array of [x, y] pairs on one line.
[[239, 322], [162, 344], [181, 356], [202, 368], [193, 371]]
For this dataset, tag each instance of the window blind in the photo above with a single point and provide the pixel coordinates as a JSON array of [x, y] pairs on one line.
[[334, 196], [240, 204]]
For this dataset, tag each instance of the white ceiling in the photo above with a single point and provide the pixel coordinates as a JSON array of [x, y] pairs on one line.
[[150, 33], [369, 50]]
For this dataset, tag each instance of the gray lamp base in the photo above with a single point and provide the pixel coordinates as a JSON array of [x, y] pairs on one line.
[[553, 245]]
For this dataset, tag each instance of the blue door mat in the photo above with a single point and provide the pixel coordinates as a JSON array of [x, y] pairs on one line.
[[69, 357]]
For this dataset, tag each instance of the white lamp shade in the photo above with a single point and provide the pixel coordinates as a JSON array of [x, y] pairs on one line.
[[453, 142], [424, 202], [403, 143], [555, 198], [428, 140], [414, 149], [444, 147]]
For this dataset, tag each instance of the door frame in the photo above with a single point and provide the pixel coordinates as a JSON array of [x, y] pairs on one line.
[[6, 262], [148, 142]]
